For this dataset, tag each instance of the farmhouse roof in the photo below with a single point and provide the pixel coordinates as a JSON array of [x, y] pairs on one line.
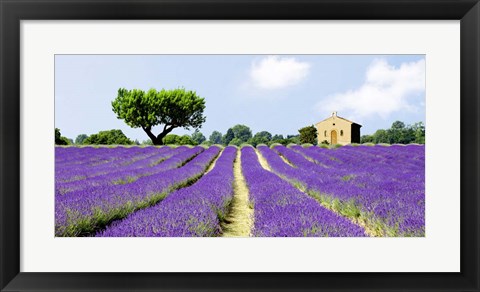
[[334, 114]]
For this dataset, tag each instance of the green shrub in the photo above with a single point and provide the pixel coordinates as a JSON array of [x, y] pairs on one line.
[[110, 137], [236, 142]]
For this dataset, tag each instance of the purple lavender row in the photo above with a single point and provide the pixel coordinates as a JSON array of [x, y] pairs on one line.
[[76, 155], [281, 210], [318, 154], [193, 211], [83, 214], [378, 159], [341, 160], [70, 154], [164, 161], [116, 175], [390, 202], [391, 192], [118, 158], [410, 155], [413, 155], [111, 156]]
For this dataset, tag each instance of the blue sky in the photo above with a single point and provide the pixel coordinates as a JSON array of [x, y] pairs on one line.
[[275, 93]]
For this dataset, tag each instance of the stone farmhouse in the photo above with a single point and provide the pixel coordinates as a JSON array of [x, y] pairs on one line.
[[337, 130]]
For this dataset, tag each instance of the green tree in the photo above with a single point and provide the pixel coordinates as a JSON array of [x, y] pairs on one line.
[[308, 135], [242, 132], [59, 139], [292, 139], [236, 141], [216, 137], [381, 136], [111, 137], [80, 138], [228, 137], [263, 137], [170, 108], [186, 140], [198, 137], [408, 136], [57, 135], [277, 137], [396, 132], [171, 139], [419, 132], [367, 139]]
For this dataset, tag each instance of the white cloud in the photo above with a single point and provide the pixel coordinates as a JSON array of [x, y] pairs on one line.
[[274, 72], [386, 89]]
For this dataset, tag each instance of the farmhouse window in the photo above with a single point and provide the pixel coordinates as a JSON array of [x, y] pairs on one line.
[[341, 132], [325, 133]]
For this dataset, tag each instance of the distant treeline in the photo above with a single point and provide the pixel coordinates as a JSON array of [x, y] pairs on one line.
[[241, 134], [111, 137], [236, 135], [399, 133]]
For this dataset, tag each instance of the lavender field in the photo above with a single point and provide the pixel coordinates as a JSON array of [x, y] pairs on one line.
[[278, 191]]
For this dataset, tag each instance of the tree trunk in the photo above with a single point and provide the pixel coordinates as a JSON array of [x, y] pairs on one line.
[[162, 135], [157, 140], [152, 137]]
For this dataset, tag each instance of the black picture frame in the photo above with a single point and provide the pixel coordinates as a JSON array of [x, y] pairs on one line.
[[13, 11]]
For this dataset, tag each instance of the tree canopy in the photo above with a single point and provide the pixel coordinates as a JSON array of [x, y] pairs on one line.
[[242, 133], [171, 108], [262, 137], [308, 135], [59, 139], [215, 137], [80, 138], [111, 137], [399, 133], [277, 137], [235, 141], [198, 137], [228, 137], [172, 139]]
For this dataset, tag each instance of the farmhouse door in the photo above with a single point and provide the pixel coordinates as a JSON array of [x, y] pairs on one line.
[[334, 137]]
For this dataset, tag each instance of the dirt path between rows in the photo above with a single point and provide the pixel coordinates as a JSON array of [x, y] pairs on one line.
[[263, 161], [286, 160], [212, 165], [239, 221]]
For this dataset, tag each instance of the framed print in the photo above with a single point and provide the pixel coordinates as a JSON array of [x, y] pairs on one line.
[[274, 145]]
